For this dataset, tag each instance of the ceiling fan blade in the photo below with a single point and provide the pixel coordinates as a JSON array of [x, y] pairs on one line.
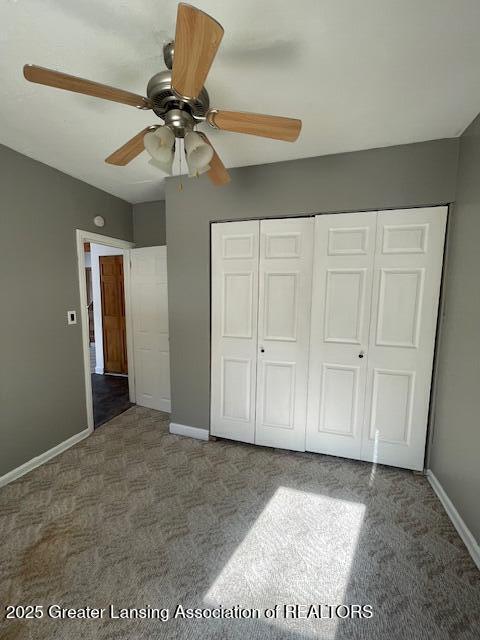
[[217, 173], [60, 80], [129, 150], [256, 124], [197, 39]]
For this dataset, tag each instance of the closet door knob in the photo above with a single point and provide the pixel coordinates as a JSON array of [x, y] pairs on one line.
[[262, 350], [361, 354]]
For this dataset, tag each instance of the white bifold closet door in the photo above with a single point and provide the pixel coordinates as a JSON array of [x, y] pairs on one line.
[[374, 313], [341, 304], [285, 291], [406, 287], [234, 329], [261, 294]]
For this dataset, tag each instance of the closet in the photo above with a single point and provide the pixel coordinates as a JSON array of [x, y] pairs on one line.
[[323, 332]]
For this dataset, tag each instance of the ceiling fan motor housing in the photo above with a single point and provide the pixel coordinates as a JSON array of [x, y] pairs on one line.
[[179, 121], [164, 98]]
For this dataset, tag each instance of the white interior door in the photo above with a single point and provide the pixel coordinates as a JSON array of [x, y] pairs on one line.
[[365, 351], [285, 289], [149, 296], [342, 287], [234, 329], [407, 275]]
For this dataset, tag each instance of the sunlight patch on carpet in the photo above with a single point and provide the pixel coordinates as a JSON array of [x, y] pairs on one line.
[[299, 551]]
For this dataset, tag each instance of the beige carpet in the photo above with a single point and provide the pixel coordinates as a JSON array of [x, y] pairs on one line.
[[136, 517]]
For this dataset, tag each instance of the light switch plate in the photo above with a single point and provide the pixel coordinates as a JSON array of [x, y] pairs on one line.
[[72, 317]]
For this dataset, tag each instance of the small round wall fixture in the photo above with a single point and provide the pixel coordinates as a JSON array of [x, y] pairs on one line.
[[99, 221]]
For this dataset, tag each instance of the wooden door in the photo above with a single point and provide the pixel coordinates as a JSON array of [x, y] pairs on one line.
[[113, 314], [285, 291]]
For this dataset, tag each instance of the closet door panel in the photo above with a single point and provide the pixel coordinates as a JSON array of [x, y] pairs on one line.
[[286, 252], [341, 299], [407, 275], [234, 329]]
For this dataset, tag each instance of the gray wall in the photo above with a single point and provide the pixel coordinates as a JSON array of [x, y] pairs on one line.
[[149, 224], [402, 176], [42, 397], [455, 448]]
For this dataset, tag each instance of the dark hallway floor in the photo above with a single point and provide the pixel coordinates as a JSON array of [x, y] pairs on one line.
[[110, 397]]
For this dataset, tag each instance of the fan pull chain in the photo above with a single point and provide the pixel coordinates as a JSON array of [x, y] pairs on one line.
[[180, 144]]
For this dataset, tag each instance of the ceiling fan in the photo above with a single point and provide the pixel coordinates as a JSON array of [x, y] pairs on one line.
[[177, 95]]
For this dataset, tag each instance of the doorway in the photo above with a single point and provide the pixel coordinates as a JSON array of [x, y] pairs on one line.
[[105, 289], [104, 275], [126, 346]]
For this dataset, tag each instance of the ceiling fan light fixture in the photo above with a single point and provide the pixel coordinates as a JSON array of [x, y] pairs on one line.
[[198, 153], [160, 144], [177, 95], [194, 173], [166, 166]]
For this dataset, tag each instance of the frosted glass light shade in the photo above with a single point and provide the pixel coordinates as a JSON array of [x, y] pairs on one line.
[[198, 153], [163, 166], [192, 172], [160, 145]]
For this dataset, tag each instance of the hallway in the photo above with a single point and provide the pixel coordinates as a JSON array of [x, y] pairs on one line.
[[110, 397]]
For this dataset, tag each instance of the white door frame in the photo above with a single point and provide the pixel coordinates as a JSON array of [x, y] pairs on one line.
[[95, 238]]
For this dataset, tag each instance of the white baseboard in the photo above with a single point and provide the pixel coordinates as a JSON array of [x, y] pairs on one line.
[[191, 432], [463, 531], [43, 457]]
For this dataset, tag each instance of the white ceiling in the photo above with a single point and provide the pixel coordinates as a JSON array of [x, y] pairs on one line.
[[359, 73]]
